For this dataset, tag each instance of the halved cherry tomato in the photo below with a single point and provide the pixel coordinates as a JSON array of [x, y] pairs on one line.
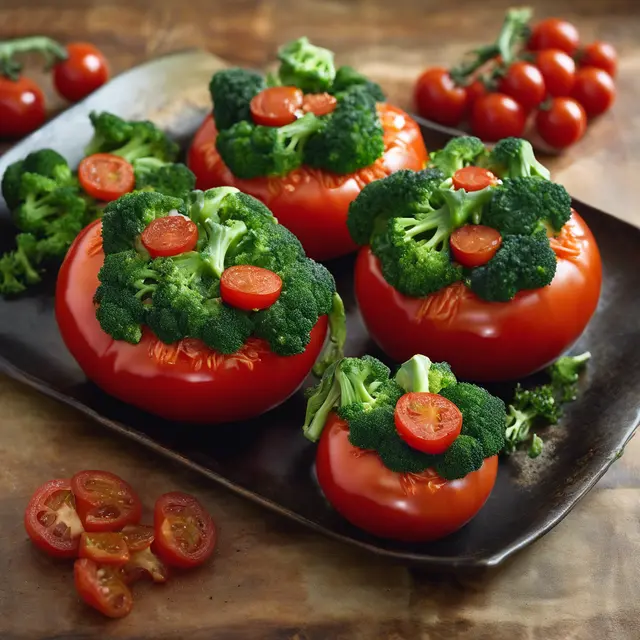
[[473, 245], [106, 547], [276, 106], [473, 178], [185, 533], [319, 104], [51, 519], [138, 536], [145, 564], [562, 123], [22, 107], [497, 116], [105, 176], [554, 33], [170, 236], [438, 98], [427, 422], [102, 588], [595, 90], [558, 70], [84, 70], [250, 288], [525, 84], [105, 502], [601, 55]]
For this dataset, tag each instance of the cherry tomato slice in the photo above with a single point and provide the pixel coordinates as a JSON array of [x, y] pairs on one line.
[[102, 588], [138, 537], [104, 548], [105, 176], [474, 244], [276, 106], [595, 90], [51, 519], [145, 564], [84, 70], [320, 104], [473, 178], [554, 33], [248, 287], [185, 533], [22, 107], [105, 501], [170, 236], [601, 55], [427, 422]]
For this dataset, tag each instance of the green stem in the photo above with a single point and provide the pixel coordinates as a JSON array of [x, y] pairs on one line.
[[51, 50]]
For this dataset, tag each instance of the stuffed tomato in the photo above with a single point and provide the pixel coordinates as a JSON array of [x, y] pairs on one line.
[[305, 142], [202, 309], [411, 457], [480, 261]]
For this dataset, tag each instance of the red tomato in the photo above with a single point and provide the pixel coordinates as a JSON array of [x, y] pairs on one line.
[[106, 177], [105, 501], [185, 533], [170, 236], [276, 106], [558, 70], [473, 245], [312, 203], [475, 90], [525, 84], [185, 381], [561, 124], [601, 55], [22, 107], [438, 98], [473, 178], [144, 564], [319, 104], [51, 519], [104, 548], [484, 340], [138, 537], [408, 507], [427, 422], [102, 588], [554, 33], [594, 90], [250, 288], [84, 71], [497, 116]]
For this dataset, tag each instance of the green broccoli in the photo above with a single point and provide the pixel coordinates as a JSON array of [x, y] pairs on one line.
[[564, 374], [36, 214], [170, 179], [232, 91], [458, 153], [465, 455], [347, 77], [514, 158], [420, 374], [306, 66], [120, 313], [19, 268], [225, 329], [220, 239], [334, 348], [521, 262]]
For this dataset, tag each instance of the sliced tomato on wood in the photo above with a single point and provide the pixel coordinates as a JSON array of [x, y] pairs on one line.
[[138, 536], [170, 236], [250, 288], [145, 564], [105, 176], [102, 588], [104, 547]]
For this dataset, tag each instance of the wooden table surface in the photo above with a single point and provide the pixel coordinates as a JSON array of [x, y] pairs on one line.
[[272, 579]]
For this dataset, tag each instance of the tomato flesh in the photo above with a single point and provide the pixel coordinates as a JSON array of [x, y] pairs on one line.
[[84, 71], [51, 519], [427, 422], [320, 104], [276, 106], [138, 537], [170, 236], [105, 176], [250, 288], [185, 533], [104, 548], [473, 245], [102, 588], [145, 564], [473, 178], [105, 501]]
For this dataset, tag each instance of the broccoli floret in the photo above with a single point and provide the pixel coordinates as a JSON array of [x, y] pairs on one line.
[[347, 77], [171, 179], [273, 247], [523, 206], [514, 158], [36, 213], [61, 233], [564, 374], [457, 153], [306, 66], [232, 91], [11, 184], [465, 455], [225, 329], [220, 239], [421, 375], [128, 269], [254, 150], [522, 262], [120, 313], [129, 139], [351, 137]]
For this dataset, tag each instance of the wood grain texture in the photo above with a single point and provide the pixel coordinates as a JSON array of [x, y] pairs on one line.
[[272, 579]]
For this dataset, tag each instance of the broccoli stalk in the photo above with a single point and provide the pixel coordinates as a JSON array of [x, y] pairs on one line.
[[221, 237], [564, 374], [306, 66], [419, 374], [334, 348]]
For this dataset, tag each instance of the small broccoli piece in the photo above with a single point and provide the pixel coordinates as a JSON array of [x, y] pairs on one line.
[[334, 348], [351, 137], [120, 313], [347, 77], [521, 263], [464, 456], [36, 214], [11, 184], [129, 139], [10, 274], [170, 179], [458, 153], [564, 374], [129, 270], [535, 449], [26, 258], [225, 329], [514, 158], [306, 66], [273, 247], [523, 206], [60, 234], [419, 374], [232, 91], [220, 239]]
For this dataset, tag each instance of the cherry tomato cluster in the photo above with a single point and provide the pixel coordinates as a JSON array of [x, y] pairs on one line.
[[95, 518], [552, 85], [77, 70]]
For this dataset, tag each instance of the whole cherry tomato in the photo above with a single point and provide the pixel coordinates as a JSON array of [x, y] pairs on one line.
[[562, 123], [525, 84], [497, 116], [601, 55], [438, 98], [594, 90], [475, 90], [558, 70], [22, 108], [84, 71], [554, 33]]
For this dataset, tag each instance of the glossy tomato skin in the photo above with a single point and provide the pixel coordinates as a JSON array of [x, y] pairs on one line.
[[487, 341], [187, 382], [496, 116], [438, 98], [22, 107], [84, 71], [313, 203], [406, 507]]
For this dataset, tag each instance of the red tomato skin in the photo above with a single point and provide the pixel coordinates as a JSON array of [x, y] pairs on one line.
[[601, 55], [482, 340], [475, 90], [563, 123], [595, 90], [554, 33], [496, 116], [313, 204], [405, 507], [438, 98], [525, 84], [22, 107], [171, 383], [558, 70], [88, 588], [84, 71]]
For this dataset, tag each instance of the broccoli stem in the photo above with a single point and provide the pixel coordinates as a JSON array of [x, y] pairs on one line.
[[317, 418], [51, 50], [413, 375], [334, 349]]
